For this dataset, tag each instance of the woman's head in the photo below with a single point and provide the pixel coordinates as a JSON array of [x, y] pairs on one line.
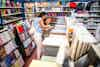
[[42, 15], [48, 20]]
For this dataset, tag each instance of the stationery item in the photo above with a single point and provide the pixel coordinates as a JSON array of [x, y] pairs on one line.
[[5, 12], [0, 3], [72, 5], [4, 37], [27, 42], [8, 3], [20, 28], [11, 34], [17, 64], [10, 47], [26, 35], [12, 4], [3, 3], [18, 4], [17, 54], [33, 45], [0, 21], [3, 64], [30, 47], [22, 36], [2, 40], [2, 53], [27, 51], [8, 60], [21, 62]]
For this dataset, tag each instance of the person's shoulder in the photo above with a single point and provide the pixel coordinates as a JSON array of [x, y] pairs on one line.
[[37, 19]]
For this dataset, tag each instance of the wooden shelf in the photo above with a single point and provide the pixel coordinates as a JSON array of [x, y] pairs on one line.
[[9, 7], [12, 14], [10, 21]]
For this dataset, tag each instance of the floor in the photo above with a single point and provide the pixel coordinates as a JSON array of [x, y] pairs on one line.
[[33, 56], [28, 61]]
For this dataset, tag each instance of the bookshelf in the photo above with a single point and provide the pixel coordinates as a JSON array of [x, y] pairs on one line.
[[10, 13], [92, 20], [51, 9], [15, 44]]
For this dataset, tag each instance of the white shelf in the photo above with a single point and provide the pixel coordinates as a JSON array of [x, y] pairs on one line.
[[88, 16], [93, 21], [94, 11], [52, 7], [9, 7], [3, 30], [16, 19], [95, 6], [12, 14], [56, 11], [29, 12]]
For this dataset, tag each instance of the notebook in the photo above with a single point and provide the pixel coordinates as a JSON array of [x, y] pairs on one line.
[[10, 47], [27, 42], [4, 37], [17, 54], [20, 61]]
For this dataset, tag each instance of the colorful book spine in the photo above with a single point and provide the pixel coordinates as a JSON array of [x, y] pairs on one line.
[[0, 3]]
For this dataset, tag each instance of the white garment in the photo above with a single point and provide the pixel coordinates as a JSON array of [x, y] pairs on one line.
[[38, 41], [37, 38]]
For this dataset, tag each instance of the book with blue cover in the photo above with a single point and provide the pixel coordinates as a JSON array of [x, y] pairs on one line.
[[0, 22]]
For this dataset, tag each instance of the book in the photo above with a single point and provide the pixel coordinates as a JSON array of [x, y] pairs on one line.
[[2, 53], [17, 54], [21, 62], [10, 47], [4, 37]]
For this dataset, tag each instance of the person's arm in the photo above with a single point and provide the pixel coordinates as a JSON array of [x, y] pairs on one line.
[[42, 24], [45, 27]]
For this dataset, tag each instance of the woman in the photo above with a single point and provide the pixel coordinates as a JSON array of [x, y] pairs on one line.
[[40, 24], [44, 22]]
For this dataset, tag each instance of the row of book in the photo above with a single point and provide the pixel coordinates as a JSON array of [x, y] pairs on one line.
[[9, 3], [15, 44], [9, 54], [57, 13], [5, 12]]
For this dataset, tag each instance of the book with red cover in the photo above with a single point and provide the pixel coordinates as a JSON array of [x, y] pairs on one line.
[[20, 28]]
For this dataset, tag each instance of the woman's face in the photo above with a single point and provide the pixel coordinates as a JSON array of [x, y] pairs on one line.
[[49, 20], [44, 16]]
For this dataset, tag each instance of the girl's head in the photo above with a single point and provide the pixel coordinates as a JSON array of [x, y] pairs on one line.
[[48, 20], [42, 15]]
